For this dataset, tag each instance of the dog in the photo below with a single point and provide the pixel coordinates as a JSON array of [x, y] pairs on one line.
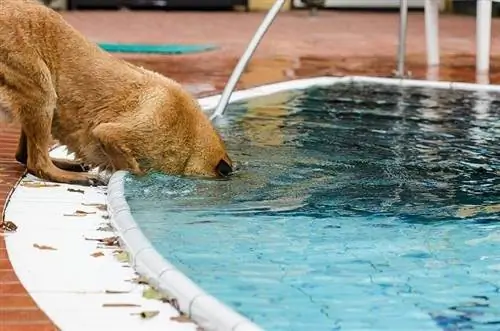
[[111, 114]]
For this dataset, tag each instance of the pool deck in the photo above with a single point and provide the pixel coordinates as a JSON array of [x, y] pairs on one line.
[[72, 297]]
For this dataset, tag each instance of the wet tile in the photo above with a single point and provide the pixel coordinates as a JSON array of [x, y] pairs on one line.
[[5, 264], [44, 325], [8, 276], [21, 314], [11, 288]]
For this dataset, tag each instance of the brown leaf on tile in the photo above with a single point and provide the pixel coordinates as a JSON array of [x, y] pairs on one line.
[[75, 190], [8, 226], [97, 254], [99, 206], [106, 228], [118, 305], [147, 314], [108, 241], [182, 318], [139, 280], [44, 247], [175, 304], [80, 213], [39, 184], [116, 292]]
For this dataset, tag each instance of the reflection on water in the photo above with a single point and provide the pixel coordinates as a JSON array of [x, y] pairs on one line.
[[352, 200]]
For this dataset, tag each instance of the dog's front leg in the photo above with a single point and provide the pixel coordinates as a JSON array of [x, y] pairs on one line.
[[70, 165], [35, 111]]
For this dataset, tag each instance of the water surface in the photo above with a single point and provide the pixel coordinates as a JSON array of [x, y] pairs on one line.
[[355, 207]]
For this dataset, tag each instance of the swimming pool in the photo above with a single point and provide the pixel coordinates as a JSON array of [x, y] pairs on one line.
[[356, 207]]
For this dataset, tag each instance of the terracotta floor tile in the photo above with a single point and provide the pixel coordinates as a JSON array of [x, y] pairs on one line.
[[11, 288], [5, 265], [7, 276], [3, 251], [44, 325], [24, 314], [16, 300]]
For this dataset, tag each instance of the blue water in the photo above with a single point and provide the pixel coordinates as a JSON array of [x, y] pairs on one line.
[[355, 207]]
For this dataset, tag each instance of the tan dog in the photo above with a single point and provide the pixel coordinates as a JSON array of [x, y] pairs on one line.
[[110, 113]]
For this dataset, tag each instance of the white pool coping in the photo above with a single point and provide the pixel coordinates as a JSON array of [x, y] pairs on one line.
[[202, 307], [70, 285]]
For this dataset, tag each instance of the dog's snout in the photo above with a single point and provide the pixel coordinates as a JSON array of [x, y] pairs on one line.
[[224, 169]]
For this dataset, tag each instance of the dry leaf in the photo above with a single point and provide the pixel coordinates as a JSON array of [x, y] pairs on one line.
[[99, 206], [97, 254], [151, 293], [106, 228], [116, 292], [44, 247], [175, 304], [39, 184], [75, 190], [8, 226], [117, 305], [147, 314], [182, 318], [80, 213], [123, 257], [139, 280], [108, 241]]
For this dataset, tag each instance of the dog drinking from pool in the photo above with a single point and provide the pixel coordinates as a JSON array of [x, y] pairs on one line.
[[113, 115]]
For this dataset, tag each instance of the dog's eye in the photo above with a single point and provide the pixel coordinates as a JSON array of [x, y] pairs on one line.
[[224, 169]]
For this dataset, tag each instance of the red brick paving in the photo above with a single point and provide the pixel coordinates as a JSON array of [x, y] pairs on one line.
[[335, 43], [18, 311]]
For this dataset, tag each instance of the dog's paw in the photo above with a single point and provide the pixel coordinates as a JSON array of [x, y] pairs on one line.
[[96, 181], [87, 180], [70, 165]]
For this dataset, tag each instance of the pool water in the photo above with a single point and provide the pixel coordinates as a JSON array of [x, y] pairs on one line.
[[355, 207]]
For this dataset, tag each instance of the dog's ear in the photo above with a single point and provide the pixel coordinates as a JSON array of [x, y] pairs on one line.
[[117, 141], [223, 169]]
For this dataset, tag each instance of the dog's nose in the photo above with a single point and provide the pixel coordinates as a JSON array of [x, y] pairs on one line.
[[224, 169]]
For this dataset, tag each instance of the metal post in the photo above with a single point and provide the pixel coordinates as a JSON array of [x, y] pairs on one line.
[[403, 22], [432, 31], [242, 63], [483, 36]]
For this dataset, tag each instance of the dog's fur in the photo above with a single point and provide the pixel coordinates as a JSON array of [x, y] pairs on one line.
[[110, 113]]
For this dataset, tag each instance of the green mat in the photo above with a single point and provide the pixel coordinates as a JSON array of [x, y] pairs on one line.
[[155, 48]]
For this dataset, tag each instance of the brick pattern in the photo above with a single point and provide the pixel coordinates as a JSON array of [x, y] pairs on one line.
[[18, 311]]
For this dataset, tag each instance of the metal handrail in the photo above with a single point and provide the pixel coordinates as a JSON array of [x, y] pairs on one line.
[[242, 63]]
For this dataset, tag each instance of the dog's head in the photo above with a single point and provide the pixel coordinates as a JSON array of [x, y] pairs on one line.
[[184, 141], [170, 134]]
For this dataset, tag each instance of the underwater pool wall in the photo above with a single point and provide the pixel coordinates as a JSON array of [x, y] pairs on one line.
[[201, 307]]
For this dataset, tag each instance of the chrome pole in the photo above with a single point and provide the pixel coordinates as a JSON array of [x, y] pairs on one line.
[[242, 63], [403, 24]]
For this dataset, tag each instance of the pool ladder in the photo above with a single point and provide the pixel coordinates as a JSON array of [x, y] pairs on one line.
[[483, 27], [261, 31]]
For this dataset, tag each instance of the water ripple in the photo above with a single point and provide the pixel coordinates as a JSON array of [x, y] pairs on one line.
[[356, 207]]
